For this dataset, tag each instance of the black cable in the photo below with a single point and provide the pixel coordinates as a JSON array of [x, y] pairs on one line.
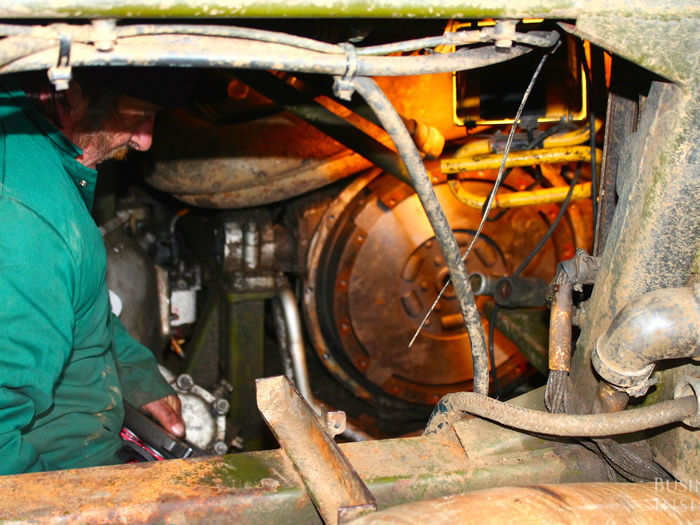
[[540, 137], [591, 123], [492, 356], [555, 223]]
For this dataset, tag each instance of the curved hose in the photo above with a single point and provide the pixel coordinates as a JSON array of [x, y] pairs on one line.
[[395, 127], [662, 324], [564, 425]]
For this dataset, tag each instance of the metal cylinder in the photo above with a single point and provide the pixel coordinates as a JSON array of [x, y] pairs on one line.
[[560, 327], [295, 342], [641, 503]]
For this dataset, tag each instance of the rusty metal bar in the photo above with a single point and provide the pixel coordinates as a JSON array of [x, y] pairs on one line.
[[641, 503], [560, 325], [332, 483], [259, 488]]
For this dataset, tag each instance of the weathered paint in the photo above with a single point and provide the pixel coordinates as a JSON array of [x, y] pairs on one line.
[[348, 8], [263, 487]]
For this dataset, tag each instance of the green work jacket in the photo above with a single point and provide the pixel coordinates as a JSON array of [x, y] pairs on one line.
[[66, 363]]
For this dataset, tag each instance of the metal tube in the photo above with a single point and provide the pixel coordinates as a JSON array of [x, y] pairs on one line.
[[655, 503], [209, 51], [331, 482], [560, 325], [295, 342], [520, 198], [663, 324], [520, 158], [293, 333], [563, 425], [448, 244]]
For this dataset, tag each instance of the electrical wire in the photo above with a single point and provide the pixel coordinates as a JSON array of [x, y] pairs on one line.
[[591, 119], [552, 227], [494, 190]]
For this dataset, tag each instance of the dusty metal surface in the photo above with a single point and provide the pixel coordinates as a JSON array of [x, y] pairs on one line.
[[520, 158], [242, 165], [642, 504], [264, 487], [663, 324], [375, 267], [332, 483], [654, 237], [348, 8], [213, 52]]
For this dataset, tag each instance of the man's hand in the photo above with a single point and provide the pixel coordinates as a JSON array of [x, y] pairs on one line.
[[168, 413]]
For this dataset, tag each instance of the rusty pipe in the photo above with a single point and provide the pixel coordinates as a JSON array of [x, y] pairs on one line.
[[560, 324], [663, 324], [655, 503], [452, 406]]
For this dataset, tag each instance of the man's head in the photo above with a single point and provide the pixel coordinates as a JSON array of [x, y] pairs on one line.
[[105, 125]]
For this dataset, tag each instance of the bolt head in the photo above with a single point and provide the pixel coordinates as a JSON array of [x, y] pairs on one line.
[[184, 382]]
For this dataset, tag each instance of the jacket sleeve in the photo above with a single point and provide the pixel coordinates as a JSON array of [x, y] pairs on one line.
[[36, 327], [138, 371]]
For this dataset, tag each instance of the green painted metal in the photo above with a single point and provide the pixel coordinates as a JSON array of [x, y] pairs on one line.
[[264, 487], [527, 328], [243, 358], [348, 8]]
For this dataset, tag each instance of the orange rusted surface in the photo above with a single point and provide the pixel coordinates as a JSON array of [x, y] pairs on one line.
[[639, 503]]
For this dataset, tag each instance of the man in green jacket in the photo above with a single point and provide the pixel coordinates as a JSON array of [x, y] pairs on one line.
[[66, 363]]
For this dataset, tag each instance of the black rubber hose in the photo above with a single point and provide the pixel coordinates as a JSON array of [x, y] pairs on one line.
[[563, 425], [396, 129]]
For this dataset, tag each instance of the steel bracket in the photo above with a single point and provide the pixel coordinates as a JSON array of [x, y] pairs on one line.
[[336, 490]]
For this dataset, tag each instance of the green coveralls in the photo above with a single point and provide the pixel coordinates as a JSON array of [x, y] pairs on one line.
[[66, 363]]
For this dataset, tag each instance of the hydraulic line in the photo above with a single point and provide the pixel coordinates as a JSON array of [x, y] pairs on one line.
[[519, 159], [453, 406], [395, 127], [520, 198], [88, 33], [215, 52]]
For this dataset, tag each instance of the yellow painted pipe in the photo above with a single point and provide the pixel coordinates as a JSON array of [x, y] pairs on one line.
[[520, 198], [560, 140], [521, 158], [572, 138]]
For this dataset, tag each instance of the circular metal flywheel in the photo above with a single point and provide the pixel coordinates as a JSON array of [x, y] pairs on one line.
[[375, 267]]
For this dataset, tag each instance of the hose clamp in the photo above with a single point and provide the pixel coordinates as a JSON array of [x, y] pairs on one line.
[[689, 386], [344, 87], [60, 75]]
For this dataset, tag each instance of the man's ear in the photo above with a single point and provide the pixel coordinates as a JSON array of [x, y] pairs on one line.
[[71, 107]]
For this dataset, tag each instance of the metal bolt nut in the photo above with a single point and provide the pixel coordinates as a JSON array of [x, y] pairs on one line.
[[221, 406], [184, 382], [220, 448]]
